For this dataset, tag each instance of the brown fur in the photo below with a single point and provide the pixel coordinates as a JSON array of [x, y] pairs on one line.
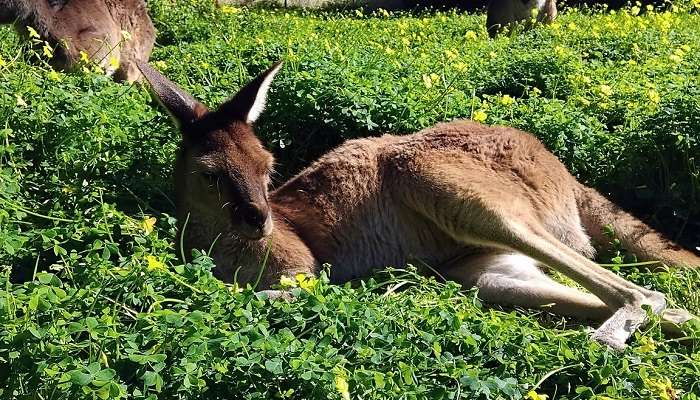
[[92, 26], [502, 14], [486, 206]]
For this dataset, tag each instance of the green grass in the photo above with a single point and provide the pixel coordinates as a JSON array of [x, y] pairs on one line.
[[109, 310]]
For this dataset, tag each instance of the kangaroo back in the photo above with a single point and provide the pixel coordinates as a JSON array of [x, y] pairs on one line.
[[649, 245]]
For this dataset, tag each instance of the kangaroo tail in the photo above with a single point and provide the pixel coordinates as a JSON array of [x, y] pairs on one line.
[[649, 245]]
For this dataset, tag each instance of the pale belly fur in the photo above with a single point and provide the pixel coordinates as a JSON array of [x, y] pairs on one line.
[[392, 237]]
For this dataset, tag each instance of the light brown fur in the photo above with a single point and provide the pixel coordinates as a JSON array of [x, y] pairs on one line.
[[91, 26], [486, 206], [502, 14]]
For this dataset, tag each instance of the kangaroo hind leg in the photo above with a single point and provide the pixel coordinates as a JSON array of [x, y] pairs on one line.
[[513, 279], [504, 216]]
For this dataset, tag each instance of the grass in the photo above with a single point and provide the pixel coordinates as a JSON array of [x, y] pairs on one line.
[[108, 310]]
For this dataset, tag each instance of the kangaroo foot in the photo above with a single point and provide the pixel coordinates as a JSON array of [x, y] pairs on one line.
[[672, 321], [615, 331], [274, 295]]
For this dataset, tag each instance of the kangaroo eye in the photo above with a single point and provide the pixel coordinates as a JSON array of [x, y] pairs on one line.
[[210, 177]]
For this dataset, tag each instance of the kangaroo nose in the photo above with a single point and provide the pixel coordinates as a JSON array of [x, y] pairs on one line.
[[257, 220], [256, 215]]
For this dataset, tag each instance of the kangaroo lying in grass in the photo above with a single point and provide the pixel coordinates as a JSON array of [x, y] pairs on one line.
[[91, 26], [487, 206], [502, 14]]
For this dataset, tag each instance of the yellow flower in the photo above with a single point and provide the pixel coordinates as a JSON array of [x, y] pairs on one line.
[[675, 58], [479, 116], [154, 263], [32, 33], [606, 90], [536, 91], [306, 283], [113, 62], [48, 51], [20, 101], [427, 81], [147, 224], [287, 282], [461, 67], [53, 75], [532, 395], [161, 65], [226, 9], [663, 388], [341, 385], [84, 56], [126, 35], [647, 345], [654, 96], [2, 62], [471, 35], [506, 100]]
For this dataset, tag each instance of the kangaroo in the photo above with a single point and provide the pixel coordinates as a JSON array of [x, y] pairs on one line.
[[91, 26], [487, 206], [501, 14]]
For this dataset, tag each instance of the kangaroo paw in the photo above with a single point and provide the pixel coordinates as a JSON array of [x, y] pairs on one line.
[[274, 295]]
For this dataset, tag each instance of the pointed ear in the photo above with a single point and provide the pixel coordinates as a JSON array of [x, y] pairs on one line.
[[184, 108], [249, 102]]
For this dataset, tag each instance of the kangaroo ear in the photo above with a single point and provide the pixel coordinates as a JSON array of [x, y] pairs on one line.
[[184, 108], [249, 102]]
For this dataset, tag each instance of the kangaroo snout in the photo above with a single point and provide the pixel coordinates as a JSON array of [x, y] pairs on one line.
[[256, 221]]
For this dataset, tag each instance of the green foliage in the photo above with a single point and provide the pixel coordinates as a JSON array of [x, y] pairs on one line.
[[109, 311]]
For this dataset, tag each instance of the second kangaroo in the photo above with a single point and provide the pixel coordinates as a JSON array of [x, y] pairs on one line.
[[487, 206]]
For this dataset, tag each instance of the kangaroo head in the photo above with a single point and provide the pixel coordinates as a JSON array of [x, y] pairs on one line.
[[75, 25], [223, 170], [84, 26]]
